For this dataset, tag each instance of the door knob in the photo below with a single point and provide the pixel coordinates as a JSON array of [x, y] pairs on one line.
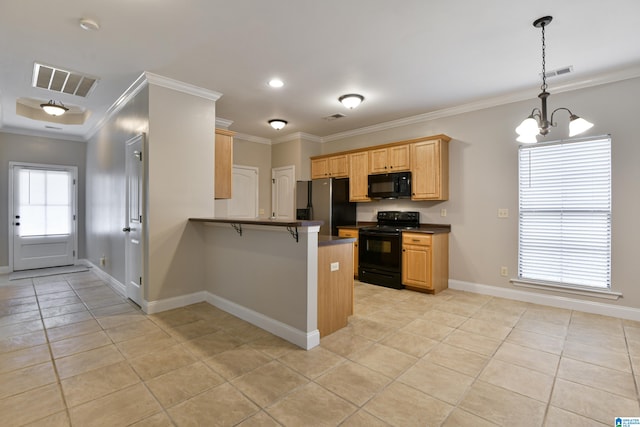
[[126, 229]]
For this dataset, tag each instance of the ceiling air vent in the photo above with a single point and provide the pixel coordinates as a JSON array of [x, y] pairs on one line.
[[558, 72], [59, 80], [334, 117]]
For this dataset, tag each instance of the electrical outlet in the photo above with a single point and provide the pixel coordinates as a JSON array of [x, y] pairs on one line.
[[503, 213], [504, 271], [261, 211], [335, 266], [443, 212]]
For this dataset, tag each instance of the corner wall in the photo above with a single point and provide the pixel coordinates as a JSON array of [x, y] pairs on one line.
[[180, 185], [106, 192]]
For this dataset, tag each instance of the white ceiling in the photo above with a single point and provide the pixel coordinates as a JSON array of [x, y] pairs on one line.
[[407, 58]]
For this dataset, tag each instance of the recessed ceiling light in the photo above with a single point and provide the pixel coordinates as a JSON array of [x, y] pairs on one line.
[[89, 24], [276, 83]]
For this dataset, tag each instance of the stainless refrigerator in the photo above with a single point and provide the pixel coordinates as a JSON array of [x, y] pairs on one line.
[[326, 200]]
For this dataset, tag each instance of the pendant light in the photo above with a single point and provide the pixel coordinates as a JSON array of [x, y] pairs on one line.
[[537, 122], [54, 109]]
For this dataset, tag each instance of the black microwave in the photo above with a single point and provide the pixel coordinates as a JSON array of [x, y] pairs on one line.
[[395, 185]]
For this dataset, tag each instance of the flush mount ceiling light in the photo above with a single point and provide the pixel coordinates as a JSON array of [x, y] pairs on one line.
[[277, 124], [54, 109], [351, 100], [537, 122], [276, 83], [89, 24]]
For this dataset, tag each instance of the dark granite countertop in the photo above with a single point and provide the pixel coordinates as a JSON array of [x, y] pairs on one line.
[[324, 240], [424, 228], [268, 222]]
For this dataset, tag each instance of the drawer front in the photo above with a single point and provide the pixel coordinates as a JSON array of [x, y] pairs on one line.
[[416, 239], [348, 233]]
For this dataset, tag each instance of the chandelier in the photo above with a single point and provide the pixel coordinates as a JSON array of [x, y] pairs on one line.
[[537, 123]]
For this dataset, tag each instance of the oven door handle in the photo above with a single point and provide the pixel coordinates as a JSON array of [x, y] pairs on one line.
[[378, 234]]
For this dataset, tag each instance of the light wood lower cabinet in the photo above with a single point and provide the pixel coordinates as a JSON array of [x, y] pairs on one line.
[[335, 288], [425, 261], [353, 233]]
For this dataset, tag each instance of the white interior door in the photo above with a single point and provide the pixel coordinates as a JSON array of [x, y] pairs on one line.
[[244, 203], [43, 215], [133, 224], [283, 182]]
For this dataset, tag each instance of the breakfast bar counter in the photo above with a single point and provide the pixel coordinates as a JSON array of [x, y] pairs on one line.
[[278, 275]]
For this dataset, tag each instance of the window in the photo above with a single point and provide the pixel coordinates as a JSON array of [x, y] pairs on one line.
[[565, 213]]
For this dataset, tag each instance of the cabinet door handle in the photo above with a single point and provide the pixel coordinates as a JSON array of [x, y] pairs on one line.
[[404, 250], [415, 240]]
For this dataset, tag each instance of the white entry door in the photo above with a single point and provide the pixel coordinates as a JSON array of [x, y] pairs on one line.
[[283, 184], [43, 215], [244, 203], [133, 228]]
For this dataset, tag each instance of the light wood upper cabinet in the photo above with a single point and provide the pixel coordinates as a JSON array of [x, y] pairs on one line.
[[391, 159], [223, 163], [425, 261], [330, 167], [358, 177], [430, 170]]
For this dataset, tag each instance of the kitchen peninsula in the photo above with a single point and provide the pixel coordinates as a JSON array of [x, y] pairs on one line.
[[272, 274]]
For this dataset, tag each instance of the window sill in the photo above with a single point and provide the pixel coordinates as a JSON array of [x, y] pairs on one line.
[[570, 289]]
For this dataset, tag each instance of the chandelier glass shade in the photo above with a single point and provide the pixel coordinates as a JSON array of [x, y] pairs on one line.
[[54, 109], [538, 123]]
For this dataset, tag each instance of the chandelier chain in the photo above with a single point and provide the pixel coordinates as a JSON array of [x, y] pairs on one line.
[[544, 63]]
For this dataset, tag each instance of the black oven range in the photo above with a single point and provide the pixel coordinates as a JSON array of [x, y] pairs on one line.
[[380, 248]]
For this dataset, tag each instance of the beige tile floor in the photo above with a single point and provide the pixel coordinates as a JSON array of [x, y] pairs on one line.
[[74, 352]]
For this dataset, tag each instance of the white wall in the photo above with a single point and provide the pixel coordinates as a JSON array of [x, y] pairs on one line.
[[34, 149], [484, 174], [181, 185], [105, 198], [246, 153]]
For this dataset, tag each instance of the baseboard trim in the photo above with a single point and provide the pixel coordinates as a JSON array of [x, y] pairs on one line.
[[613, 310], [306, 340], [110, 280], [5, 269], [152, 307]]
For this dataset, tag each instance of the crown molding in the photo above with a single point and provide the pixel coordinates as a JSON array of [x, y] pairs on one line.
[[523, 95], [42, 134], [135, 88], [252, 138], [179, 86], [296, 136], [223, 123]]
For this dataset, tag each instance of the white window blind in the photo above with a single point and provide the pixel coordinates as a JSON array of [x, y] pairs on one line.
[[565, 213]]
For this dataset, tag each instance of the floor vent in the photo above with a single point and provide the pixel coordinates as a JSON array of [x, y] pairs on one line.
[[63, 81]]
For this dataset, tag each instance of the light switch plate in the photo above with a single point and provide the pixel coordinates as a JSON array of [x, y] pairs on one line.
[[335, 266]]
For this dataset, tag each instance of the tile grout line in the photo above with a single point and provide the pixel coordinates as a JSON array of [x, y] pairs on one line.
[[53, 361]]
